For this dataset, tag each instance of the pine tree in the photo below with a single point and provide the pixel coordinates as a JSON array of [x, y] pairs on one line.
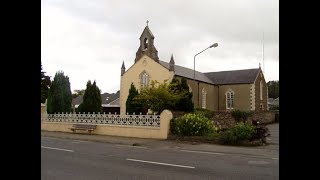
[[59, 96], [273, 89], [91, 99], [45, 85], [185, 102], [131, 105]]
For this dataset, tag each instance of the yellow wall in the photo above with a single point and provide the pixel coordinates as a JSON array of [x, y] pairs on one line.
[[120, 130], [43, 109], [212, 95], [242, 98], [155, 71]]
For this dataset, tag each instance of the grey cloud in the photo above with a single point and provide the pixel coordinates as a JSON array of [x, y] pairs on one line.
[[110, 29]]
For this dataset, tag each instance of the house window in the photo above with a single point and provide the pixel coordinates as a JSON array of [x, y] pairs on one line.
[[261, 90], [144, 79], [230, 99], [204, 98]]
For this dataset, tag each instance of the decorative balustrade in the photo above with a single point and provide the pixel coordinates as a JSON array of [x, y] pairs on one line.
[[114, 119]]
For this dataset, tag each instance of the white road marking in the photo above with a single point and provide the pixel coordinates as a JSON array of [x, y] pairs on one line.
[[258, 162], [203, 152], [131, 146], [166, 164], [57, 149], [78, 141]]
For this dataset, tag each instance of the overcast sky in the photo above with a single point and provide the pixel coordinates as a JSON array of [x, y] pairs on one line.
[[89, 39]]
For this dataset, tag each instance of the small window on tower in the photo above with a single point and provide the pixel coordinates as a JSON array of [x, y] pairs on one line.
[[145, 44]]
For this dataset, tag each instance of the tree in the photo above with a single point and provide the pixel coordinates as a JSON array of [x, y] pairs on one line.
[[185, 102], [59, 96], [273, 89], [91, 99], [45, 85], [158, 97], [131, 105], [76, 93]]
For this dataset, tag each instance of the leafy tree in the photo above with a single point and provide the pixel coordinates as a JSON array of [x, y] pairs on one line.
[[185, 102], [76, 93], [131, 105], [91, 99], [273, 89], [59, 96], [157, 97], [45, 85]]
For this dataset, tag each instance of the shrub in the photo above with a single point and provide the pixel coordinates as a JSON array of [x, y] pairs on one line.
[[227, 137], [205, 112], [157, 97], [274, 108], [240, 132], [192, 124], [243, 131], [239, 115]]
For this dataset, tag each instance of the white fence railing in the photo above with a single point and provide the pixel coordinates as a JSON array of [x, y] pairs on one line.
[[113, 119]]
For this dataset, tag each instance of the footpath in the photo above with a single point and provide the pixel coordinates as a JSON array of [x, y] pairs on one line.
[[268, 151]]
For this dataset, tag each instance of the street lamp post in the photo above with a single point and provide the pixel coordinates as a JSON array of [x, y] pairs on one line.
[[194, 64]]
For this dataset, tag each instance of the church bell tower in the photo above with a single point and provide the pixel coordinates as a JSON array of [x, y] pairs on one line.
[[147, 45]]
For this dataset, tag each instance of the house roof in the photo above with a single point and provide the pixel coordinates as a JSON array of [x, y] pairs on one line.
[[275, 102], [106, 98], [245, 76], [270, 100]]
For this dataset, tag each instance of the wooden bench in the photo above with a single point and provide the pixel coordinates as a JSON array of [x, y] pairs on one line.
[[86, 127]]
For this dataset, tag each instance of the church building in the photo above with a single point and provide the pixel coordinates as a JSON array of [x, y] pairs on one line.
[[244, 89]]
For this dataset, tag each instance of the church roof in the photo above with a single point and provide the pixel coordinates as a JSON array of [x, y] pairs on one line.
[[246, 76], [186, 72]]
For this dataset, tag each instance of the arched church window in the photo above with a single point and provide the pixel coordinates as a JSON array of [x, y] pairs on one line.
[[190, 89], [144, 79], [261, 107], [204, 98], [229, 99]]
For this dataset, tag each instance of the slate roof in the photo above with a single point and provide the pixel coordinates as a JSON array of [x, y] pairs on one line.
[[186, 72], [275, 102], [148, 30], [270, 100], [106, 98], [245, 76]]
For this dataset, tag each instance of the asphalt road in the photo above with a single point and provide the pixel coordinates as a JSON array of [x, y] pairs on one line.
[[73, 159]]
